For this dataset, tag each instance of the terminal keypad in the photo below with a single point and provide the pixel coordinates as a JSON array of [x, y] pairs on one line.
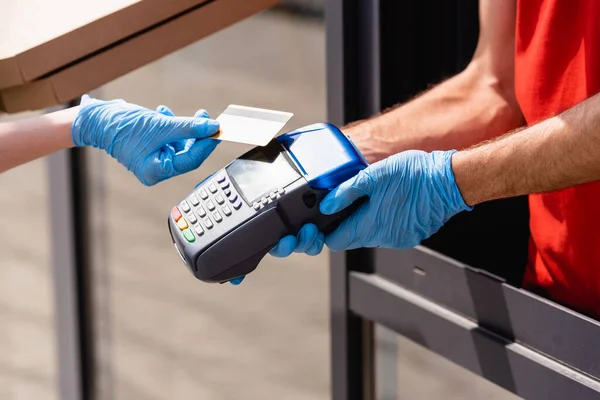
[[210, 204]]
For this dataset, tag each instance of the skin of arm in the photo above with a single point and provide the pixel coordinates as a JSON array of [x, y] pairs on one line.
[[476, 105], [557, 153], [26, 140]]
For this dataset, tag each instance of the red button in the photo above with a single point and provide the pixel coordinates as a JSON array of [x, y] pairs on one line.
[[175, 214]]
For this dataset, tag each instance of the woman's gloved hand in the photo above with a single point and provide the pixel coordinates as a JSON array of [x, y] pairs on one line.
[[154, 145]]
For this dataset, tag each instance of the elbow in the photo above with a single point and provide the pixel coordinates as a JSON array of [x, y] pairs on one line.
[[506, 116], [495, 90]]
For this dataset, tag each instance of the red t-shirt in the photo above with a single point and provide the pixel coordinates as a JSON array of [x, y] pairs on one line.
[[557, 65]]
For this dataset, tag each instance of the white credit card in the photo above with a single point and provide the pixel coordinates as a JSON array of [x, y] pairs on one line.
[[256, 126]]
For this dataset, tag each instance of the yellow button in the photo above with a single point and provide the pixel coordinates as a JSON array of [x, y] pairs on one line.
[[182, 224]]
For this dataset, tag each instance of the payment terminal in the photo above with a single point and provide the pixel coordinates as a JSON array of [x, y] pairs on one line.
[[230, 221]]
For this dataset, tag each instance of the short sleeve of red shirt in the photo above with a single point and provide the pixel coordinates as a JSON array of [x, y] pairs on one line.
[[557, 65]]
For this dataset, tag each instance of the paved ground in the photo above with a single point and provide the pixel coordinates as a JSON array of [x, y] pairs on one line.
[[161, 333]]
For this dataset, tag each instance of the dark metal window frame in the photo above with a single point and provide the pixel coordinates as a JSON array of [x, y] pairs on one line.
[[524, 343]]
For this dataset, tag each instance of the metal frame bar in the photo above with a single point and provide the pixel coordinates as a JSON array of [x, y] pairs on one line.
[[509, 311], [504, 349], [66, 306], [511, 365], [352, 340], [71, 249], [353, 93]]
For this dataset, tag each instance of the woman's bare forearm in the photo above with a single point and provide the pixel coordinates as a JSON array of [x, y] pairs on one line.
[[557, 153], [26, 140]]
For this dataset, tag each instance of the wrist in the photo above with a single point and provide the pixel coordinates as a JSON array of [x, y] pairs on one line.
[[368, 138], [455, 198], [357, 131], [464, 179], [87, 127], [62, 122], [79, 126]]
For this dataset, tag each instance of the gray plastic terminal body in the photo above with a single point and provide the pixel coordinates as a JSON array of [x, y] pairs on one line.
[[235, 246]]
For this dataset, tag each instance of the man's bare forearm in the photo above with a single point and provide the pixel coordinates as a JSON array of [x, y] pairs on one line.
[[26, 140], [458, 113], [475, 105], [559, 152]]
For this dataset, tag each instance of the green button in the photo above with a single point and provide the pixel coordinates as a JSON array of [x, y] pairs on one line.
[[189, 235]]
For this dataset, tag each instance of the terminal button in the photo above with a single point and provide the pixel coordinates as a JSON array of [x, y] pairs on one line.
[[221, 178], [219, 199], [217, 216], [226, 210], [201, 212], [224, 185], [194, 200], [264, 200], [281, 191], [208, 223], [233, 198], [203, 194], [185, 206], [199, 230], [237, 205], [210, 205], [175, 214], [182, 224], [189, 235], [192, 218], [272, 195], [257, 206], [227, 192], [212, 188]]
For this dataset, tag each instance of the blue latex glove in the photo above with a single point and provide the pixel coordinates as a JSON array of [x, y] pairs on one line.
[[309, 240], [411, 195], [154, 145]]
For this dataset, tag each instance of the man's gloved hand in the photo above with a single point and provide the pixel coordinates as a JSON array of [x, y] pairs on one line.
[[154, 145], [411, 195], [309, 240]]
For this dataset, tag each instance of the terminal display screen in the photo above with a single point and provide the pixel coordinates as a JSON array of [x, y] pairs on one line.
[[261, 171]]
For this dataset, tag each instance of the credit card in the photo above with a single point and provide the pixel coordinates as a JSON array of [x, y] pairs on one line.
[[250, 125]]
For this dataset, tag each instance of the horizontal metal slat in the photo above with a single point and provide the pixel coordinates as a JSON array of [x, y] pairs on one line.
[[518, 369], [514, 313]]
